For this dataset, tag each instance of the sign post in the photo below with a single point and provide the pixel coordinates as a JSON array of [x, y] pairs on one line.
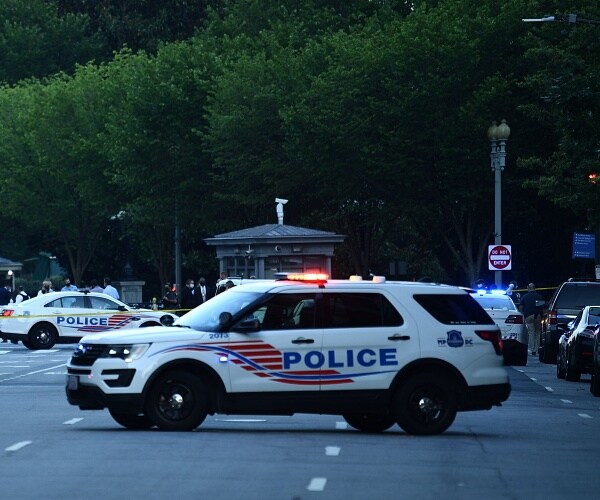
[[499, 259]]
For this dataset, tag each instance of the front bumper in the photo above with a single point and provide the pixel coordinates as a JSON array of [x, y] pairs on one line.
[[89, 397]]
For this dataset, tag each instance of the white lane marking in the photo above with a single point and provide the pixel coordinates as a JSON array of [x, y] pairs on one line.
[[55, 373], [534, 379], [18, 446], [4, 352], [49, 351], [549, 389], [32, 373], [17, 366], [341, 425], [567, 402], [317, 484], [584, 415], [72, 421], [332, 451], [241, 419]]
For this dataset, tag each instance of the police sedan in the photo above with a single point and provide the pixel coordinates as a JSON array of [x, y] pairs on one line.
[[505, 314], [65, 317]]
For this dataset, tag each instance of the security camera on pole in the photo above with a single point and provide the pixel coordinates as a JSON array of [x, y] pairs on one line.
[[498, 136]]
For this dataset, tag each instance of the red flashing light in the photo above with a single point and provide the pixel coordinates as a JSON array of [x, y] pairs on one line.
[[593, 177], [7, 312], [309, 277]]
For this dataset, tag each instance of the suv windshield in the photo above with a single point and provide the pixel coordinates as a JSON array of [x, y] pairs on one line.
[[578, 295], [206, 316]]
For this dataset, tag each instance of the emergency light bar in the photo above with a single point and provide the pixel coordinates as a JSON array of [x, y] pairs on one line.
[[306, 277]]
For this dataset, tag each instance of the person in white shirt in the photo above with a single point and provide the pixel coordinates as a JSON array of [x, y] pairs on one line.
[[21, 296], [110, 290]]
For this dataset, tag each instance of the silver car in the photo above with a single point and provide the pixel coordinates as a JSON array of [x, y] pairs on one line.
[[505, 314]]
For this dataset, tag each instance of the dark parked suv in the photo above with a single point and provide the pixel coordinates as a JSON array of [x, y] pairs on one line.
[[566, 303]]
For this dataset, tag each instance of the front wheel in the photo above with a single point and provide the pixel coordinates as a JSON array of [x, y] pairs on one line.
[[369, 422], [177, 401], [131, 420], [426, 404], [42, 336]]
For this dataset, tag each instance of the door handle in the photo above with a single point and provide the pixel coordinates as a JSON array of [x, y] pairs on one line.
[[303, 341], [399, 337]]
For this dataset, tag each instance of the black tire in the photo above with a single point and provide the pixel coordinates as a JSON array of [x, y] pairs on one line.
[[520, 357], [571, 373], [177, 401], [369, 422], [42, 336], [131, 420], [426, 404], [560, 369], [595, 383], [548, 354], [27, 344]]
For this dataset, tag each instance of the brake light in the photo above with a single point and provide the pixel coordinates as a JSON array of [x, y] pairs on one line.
[[7, 312], [492, 336], [552, 320], [514, 319]]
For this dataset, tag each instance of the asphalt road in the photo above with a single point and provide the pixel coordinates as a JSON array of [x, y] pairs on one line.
[[542, 443]]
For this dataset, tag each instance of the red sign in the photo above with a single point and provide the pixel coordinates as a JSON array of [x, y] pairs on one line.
[[499, 258]]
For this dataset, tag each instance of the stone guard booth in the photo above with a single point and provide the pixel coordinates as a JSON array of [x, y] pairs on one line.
[[262, 251]]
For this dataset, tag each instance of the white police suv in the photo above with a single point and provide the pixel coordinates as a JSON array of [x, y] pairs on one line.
[[65, 317], [376, 352]]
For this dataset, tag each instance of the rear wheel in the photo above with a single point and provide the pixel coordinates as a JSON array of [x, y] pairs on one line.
[[571, 373], [548, 353], [177, 401], [595, 383], [426, 404], [27, 344], [42, 336], [369, 422], [131, 420]]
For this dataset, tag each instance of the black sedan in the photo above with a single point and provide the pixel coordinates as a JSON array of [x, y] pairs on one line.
[[575, 346]]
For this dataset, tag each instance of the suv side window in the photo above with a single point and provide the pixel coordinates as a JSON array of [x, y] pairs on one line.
[[359, 310], [287, 311], [454, 309]]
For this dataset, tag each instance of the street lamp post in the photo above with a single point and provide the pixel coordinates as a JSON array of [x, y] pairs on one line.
[[11, 276], [498, 136]]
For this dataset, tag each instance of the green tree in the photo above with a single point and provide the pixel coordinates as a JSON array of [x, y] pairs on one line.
[[36, 42]]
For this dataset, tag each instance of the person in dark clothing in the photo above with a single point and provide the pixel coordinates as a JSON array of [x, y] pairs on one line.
[[188, 301], [532, 306], [203, 292], [5, 295], [169, 300]]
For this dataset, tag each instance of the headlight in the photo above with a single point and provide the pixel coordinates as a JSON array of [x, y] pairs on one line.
[[127, 352]]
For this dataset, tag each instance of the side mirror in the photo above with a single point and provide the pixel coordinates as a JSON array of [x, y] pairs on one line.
[[225, 319], [166, 320], [247, 325]]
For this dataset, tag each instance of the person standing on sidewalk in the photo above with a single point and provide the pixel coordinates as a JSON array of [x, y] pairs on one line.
[[532, 305]]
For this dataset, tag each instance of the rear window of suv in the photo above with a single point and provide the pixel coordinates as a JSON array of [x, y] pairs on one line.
[[454, 309], [578, 295]]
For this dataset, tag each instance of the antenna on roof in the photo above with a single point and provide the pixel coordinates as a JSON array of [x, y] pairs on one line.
[[280, 202]]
